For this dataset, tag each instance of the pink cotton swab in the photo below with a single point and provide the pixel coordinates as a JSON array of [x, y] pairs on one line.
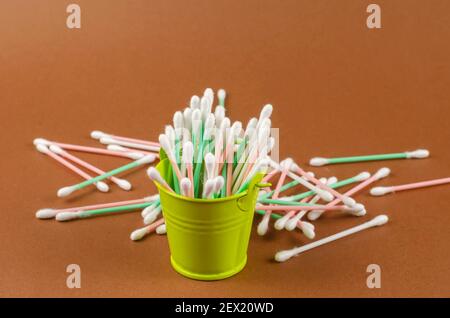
[[382, 173], [356, 209], [101, 151], [48, 213], [101, 186], [134, 145], [138, 234], [377, 191], [96, 134], [155, 176], [186, 187], [124, 184], [125, 149], [187, 157]]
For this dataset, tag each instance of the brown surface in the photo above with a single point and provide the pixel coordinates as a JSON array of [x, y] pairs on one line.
[[337, 87]]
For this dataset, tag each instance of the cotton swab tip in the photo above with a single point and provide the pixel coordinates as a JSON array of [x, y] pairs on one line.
[[42, 148], [123, 184], [42, 141], [325, 195], [380, 220], [63, 192], [283, 256], [221, 94], [318, 161], [135, 155], [308, 230], [147, 210], [151, 217], [161, 229], [382, 173], [378, 191], [138, 234], [116, 148], [97, 134], [154, 175], [66, 216], [146, 159], [348, 201], [56, 149], [46, 213], [417, 154], [101, 186], [185, 185], [362, 176], [263, 226]]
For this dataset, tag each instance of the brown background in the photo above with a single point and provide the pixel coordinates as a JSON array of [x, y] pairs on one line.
[[338, 88]]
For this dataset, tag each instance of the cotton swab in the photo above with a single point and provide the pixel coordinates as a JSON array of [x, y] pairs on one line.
[[165, 144], [68, 190], [112, 141], [152, 215], [209, 188], [381, 173], [346, 200], [103, 187], [124, 184], [221, 94], [161, 229], [416, 154], [358, 208], [97, 134], [138, 234], [377, 191], [48, 213], [125, 149], [101, 151], [219, 182], [187, 157], [155, 176], [67, 216], [283, 256], [185, 186]]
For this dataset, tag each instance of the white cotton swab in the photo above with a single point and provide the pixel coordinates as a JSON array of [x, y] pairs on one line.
[[101, 186], [187, 158], [97, 134], [151, 216], [138, 234], [161, 230], [381, 173], [186, 187], [221, 95], [125, 149], [208, 188], [155, 176], [210, 163], [377, 191], [123, 184], [283, 256], [112, 141], [219, 183], [101, 151]]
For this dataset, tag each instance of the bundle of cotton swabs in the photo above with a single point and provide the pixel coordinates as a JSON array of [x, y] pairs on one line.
[[211, 157]]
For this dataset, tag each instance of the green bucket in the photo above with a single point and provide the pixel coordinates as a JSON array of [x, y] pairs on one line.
[[208, 238]]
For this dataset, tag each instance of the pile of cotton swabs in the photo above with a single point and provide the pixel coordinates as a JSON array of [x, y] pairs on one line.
[[212, 158]]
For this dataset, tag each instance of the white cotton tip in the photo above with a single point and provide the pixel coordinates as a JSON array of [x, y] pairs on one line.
[[283, 256], [378, 191], [357, 208], [101, 186], [161, 229], [178, 120], [219, 113], [380, 220], [291, 224], [220, 181], [350, 202], [135, 155], [281, 222], [41, 141], [360, 213], [209, 188], [362, 176], [318, 161], [332, 180], [117, 148], [46, 213], [107, 140], [266, 112], [63, 192], [56, 149], [66, 216], [204, 107], [147, 210], [151, 198], [307, 229], [221, 94], [146, 159], [289, 164], [208, 92], [123, 184], [188, 152], [185, 185], [138, 234], [382, 173], [97, 134], [314, 215], [195, 102], [42, 148], [151, 217], [210, 161], [325, 195], [165, 144], [263, 226], [418, 154], [154, 175]]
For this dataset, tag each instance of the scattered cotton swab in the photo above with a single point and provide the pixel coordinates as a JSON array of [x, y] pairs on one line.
[[97, 134], [377, 191], [112, 141], [152, 215], [283, 256], [161, 230], [103, 187], [416, 154], [140, 233], [67, 216]]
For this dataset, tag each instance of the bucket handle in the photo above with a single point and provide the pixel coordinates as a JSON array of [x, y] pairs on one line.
[[243, 203]]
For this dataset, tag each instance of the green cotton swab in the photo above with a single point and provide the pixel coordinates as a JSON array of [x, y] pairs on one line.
[[68, 190], [416, 154], [66, 216], [221, 95], [273, 215], [285, 202], [360, 177]]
